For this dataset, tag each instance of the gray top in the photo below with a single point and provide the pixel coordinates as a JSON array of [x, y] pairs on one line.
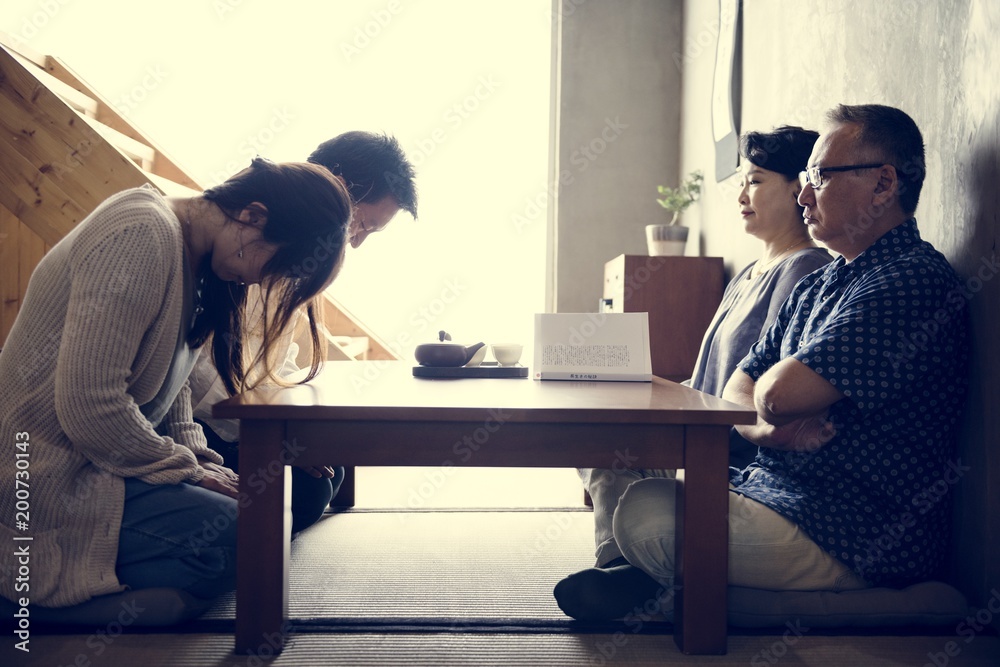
[[749, 306]]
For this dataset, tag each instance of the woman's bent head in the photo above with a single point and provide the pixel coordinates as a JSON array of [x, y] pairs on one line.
[[295, 216]]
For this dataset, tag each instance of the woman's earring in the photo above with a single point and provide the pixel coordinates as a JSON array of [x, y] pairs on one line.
[[240, 253]]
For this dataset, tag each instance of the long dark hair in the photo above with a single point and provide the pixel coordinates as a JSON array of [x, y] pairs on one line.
[[308, 212]]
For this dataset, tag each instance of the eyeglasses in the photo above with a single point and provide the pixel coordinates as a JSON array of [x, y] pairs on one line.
[[365, 228], [370, 230], [814, 175]]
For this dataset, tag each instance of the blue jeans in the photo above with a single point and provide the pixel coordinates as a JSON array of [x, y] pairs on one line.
[[177, 536], [310, 495]]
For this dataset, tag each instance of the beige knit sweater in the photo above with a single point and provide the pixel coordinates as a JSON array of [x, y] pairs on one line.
[[92, 342]]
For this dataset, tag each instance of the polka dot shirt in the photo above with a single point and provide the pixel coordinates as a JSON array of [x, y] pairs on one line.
[[890, 331]]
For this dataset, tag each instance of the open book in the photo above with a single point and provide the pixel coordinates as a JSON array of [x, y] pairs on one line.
[[592, 346]]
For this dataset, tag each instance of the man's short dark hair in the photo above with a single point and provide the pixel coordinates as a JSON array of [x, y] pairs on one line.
[[373, 166], [895, 139]]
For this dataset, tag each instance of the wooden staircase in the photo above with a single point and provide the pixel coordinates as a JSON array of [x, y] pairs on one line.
[[64, 149]]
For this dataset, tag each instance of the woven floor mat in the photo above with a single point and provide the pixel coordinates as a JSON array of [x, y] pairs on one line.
[[441, 565], [473, 649]]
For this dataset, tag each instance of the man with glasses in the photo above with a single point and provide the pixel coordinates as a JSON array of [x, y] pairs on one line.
[[858, 386]]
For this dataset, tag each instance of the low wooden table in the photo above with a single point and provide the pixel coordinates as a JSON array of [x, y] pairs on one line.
[[377, 414]]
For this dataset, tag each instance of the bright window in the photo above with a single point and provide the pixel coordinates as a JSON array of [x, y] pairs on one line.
[[464, 86]]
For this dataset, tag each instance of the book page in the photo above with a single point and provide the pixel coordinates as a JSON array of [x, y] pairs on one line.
[[598, 356], [592, 346]]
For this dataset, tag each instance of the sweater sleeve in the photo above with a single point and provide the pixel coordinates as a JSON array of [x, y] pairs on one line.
[[182, 428], [119, 280]]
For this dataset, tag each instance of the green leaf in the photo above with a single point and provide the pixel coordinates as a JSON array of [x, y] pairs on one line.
[[676, 200]]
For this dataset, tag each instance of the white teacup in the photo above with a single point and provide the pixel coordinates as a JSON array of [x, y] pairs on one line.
[[507, 354]]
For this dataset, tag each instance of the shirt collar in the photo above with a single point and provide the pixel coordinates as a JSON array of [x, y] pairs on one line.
[[887, 247]]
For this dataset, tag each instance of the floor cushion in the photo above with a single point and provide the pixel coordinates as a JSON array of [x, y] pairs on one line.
[[930, 603], [144, 607]]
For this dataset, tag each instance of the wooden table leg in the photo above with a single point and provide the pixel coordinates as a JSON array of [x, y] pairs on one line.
[[263, 539], [702, 570]]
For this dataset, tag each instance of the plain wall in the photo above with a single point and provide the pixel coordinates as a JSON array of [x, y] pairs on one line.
[[617, 135], [939, 62]]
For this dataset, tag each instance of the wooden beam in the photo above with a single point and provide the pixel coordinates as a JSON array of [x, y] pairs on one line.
[[34, 198], [171, 188], [139, 152], [10, 293], [99, 167], [163, 165], [340, 322], [106, 112], [13, 43], [28, 135], [83, 103]]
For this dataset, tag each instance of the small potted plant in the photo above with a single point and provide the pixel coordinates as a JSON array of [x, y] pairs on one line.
[[670, 238]]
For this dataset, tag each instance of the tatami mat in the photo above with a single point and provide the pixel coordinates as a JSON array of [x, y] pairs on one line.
[[446, 584], [444, 650], [440, 565]]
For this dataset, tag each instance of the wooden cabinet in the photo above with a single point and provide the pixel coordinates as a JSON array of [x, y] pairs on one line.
[[681, 295]]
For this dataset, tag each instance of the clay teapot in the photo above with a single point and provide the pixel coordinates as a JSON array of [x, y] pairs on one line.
[[445, 354]]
